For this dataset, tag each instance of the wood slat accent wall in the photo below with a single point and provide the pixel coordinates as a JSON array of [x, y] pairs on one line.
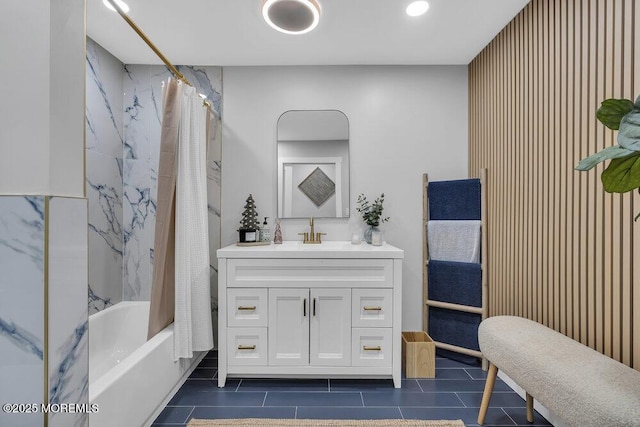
[[561, 250]]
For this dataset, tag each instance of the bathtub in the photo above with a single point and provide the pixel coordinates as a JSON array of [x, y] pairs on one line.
[[131, 379]]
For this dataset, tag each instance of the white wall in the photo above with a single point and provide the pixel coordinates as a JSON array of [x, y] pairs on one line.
[[403, 121], [24, 112], [42, 113]]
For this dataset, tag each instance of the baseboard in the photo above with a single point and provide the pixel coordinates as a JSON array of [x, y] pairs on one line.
[[550, 416]]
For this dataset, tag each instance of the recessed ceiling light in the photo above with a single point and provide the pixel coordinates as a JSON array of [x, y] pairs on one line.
[[291, 16], [417, 8], [122, 5]]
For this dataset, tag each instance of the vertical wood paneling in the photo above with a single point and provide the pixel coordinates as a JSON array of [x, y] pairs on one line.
[[561, 250], [627, 228], [635, 251]]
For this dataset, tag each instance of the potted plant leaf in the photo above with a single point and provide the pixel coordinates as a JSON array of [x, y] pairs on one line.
[[623, 172], [371, 214]]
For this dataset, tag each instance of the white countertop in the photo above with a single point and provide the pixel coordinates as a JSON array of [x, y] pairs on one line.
[[326, 249]]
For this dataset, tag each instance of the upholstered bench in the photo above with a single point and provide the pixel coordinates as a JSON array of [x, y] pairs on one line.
[[579, 385]]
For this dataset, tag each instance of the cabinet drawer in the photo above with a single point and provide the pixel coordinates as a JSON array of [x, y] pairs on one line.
[[372, 308], [371, 347], [247, 307], [247, 346], [304, 273]]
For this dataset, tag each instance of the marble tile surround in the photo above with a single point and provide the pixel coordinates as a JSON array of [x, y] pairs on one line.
[[104, 180], [29, 225], [124, 104], [68, 313], [21, 315]]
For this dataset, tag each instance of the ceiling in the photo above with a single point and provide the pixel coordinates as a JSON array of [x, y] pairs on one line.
[[232, 32]]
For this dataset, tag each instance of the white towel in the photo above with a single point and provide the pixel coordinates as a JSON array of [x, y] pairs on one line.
[[454, 241]]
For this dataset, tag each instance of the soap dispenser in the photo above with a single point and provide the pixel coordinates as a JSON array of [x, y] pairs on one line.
[[265, 232]]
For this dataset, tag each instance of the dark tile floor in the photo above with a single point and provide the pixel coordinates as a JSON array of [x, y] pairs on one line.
[[455, 393]]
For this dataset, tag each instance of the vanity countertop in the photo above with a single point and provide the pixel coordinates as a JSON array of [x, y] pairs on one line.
[[326, 249]]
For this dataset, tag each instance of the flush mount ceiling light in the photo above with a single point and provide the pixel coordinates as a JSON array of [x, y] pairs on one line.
[[122, 5], [291, 16], [417, 8]]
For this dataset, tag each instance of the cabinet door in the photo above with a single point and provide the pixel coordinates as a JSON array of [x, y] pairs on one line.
[[288, 326], [330, 330]]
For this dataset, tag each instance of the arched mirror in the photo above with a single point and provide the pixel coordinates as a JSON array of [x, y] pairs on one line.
[[313, 164]]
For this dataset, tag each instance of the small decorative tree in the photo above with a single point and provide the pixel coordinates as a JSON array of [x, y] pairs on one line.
[[249, 219]]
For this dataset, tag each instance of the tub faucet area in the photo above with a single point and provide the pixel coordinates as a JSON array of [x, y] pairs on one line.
[[311, 236]]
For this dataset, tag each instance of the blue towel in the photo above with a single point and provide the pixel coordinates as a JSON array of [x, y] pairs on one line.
[[454, 327], [455, 282], [458, 357], [454, 200]]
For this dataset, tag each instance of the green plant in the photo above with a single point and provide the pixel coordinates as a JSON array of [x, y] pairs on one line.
[[371, 212], [623, 173]]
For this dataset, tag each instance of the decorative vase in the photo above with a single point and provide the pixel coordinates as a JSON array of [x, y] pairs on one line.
[[376, 237], [369, 232]]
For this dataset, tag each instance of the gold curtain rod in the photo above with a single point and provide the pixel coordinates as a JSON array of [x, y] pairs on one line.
[[153, 47]]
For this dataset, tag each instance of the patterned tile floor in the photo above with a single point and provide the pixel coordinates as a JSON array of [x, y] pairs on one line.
[[455, 393]]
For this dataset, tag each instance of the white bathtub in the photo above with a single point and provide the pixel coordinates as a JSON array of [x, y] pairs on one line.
[[131, 379]]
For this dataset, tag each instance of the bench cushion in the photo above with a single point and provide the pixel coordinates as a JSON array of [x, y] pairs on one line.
[[576, 383]]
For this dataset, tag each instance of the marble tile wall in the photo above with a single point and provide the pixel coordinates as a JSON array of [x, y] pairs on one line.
[[43, 252], [104, 179], [68, 355], [21, 302], [214, 191]]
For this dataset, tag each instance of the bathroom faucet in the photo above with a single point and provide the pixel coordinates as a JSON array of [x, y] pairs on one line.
[[312, 236]]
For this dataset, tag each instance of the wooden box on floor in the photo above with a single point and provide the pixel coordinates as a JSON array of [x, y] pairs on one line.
[[418, 355]]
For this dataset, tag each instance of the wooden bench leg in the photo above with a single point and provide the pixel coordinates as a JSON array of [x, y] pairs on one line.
[[529, 407], [488, 390]]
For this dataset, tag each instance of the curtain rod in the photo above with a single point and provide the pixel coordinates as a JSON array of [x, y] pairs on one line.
[[143, 36]]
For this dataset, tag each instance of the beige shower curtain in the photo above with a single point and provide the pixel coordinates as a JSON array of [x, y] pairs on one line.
[[163, 280]]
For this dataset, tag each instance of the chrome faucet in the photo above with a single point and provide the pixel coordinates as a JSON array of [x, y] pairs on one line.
[[312, 236]]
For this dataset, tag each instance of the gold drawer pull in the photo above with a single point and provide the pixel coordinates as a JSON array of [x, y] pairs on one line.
[[252, 308], [247, 347], [368, 348], [369, 308]]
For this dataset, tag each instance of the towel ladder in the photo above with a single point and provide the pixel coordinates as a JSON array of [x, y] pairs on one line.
[[454, 308]]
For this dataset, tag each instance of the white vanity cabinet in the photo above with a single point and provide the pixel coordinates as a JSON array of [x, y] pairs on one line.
[[317, 311]]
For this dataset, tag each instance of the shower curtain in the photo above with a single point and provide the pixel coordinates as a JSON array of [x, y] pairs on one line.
[[193, 329], [163, 280], [180, 288]]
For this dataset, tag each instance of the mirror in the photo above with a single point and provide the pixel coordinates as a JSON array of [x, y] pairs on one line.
[[313, 164]]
